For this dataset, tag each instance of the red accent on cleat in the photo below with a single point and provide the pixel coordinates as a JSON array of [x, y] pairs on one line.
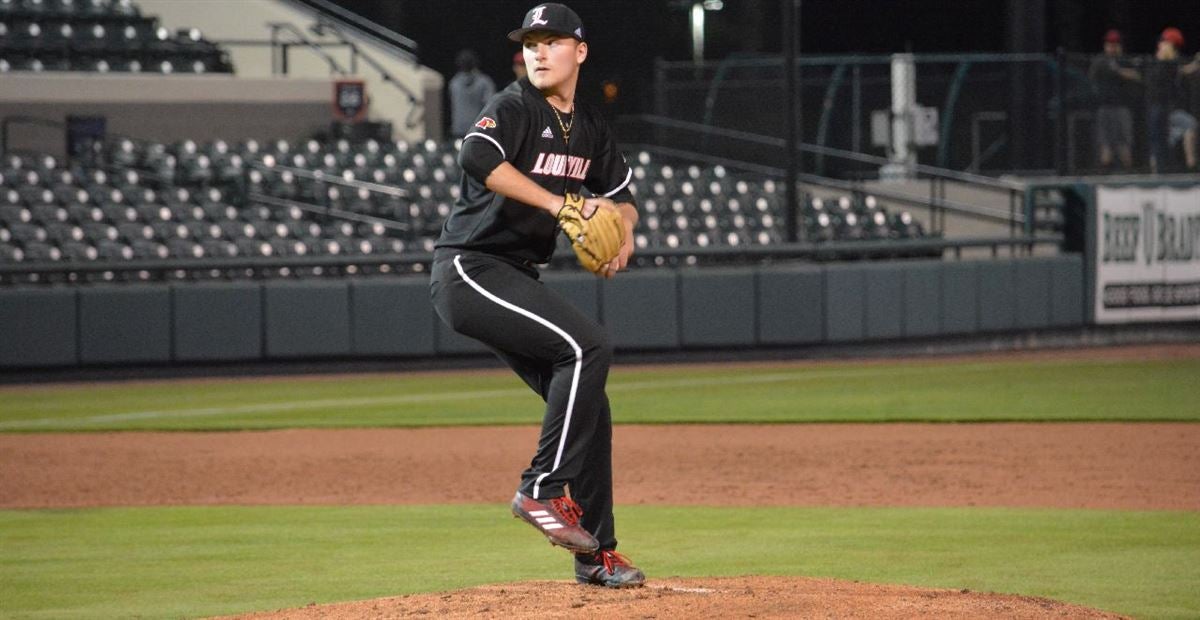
[[558, 520], [609, 569]]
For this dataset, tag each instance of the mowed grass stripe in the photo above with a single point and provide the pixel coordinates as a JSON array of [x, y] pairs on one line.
[[197, 561], [618, 384], [1161, 390]]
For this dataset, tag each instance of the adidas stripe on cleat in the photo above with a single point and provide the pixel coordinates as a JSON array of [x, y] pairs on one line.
[[557, 519]]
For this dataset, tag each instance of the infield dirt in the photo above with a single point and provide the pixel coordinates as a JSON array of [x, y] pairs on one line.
[[1150, 466], [1144, 466], [1131, 466]]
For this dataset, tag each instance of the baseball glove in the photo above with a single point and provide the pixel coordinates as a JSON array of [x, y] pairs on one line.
[[596, 237]]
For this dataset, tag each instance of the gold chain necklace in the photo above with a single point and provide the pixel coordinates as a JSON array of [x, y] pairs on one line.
[[566, 128]]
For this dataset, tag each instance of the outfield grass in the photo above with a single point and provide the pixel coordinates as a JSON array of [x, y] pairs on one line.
[[901, 391], [172, 562]]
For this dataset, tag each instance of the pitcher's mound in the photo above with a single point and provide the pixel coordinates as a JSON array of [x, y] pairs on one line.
[[726, 597]]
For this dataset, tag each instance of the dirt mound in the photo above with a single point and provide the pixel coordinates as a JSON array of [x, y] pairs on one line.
[[743, 597]]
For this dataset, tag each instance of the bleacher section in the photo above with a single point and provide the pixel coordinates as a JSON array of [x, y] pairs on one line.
[[99, 36], [147, 201]]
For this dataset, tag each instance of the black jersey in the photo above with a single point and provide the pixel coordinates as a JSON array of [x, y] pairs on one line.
[[520, 124]]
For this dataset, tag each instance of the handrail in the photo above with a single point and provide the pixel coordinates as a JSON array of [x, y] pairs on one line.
[[953, 175], [410, 120], [805, 250], [355, 53], [860, 59], [337, 180], [391, 38], [845, 186], [272, 201], [189, 264], [835, 82], [302, 39]]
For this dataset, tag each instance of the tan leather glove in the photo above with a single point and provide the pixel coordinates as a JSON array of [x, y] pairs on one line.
[[596, 237]]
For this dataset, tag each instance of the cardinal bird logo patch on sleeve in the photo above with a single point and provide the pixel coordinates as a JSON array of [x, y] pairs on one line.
[[486, 123]]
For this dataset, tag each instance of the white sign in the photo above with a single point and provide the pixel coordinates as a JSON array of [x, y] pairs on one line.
[[925, 126], [881, 128], [1147, 254]]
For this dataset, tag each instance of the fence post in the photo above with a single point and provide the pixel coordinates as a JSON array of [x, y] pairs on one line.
[[660, 87], [1060, 112], [789, 69]]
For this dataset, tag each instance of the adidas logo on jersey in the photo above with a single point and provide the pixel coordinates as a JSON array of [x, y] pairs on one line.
[[546, 133]]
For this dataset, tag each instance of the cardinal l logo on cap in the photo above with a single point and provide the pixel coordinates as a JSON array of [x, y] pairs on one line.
[[550, 17]]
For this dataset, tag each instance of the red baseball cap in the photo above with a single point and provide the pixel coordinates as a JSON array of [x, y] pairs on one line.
[[518, 58], [1174, 36], [1112, 36]]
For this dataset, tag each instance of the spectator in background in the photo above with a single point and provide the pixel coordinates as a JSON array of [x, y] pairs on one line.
[[1191, 94], [469, 90], [1167, 123], [1114, 122], [519, 70]]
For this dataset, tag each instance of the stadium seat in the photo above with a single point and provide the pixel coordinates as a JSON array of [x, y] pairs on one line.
[[219, 248], [152, 198], [100, 231], [135, 231], [78, 251], [62, 233], [50, 213], [148, 248], [904, 226], [15, 214]]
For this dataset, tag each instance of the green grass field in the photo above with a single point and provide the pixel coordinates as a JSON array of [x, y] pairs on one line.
[[173, 562], [920, 391], [194, 561]]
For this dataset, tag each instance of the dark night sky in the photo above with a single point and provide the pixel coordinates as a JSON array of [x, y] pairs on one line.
[[626, 35]]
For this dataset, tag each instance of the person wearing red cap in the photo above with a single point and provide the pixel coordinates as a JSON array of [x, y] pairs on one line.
[[1114, 121], [1169, 125], [518, 66]]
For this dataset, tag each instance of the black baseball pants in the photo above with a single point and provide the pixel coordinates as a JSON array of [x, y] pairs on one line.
[[560, 353]]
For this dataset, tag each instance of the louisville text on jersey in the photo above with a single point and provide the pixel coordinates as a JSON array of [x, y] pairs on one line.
[[559, 165]]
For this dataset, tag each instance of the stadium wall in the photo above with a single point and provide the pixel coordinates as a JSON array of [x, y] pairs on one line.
[[646, 310], [164, 109]]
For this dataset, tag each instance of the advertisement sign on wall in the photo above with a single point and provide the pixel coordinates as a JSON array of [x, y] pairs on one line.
[[1147, 254], [349, 100]]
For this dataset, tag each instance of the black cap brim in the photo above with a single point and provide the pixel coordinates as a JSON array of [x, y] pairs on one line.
[[518, 35]]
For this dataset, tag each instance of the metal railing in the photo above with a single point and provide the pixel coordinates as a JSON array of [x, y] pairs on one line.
[[692, 140], [1022, 113], [332, 14], [286, 36], [262, 265]]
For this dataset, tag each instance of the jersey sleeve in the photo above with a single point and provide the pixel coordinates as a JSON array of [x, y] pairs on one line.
[[502, 124], [609, 176]]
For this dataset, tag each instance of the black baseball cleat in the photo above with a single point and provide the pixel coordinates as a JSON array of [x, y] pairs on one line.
[[610, 569], [558, 519]]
